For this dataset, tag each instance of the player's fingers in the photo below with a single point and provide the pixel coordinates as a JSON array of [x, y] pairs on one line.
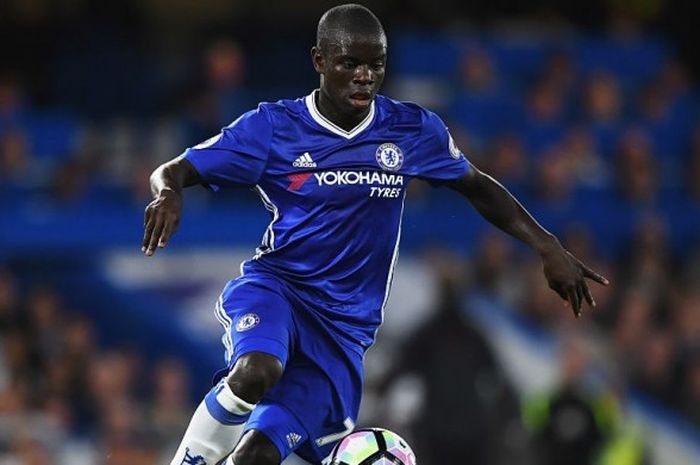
[[153, 242], [147, 233], [165, 235], [587, 294], [579, 297], [589, 273], [575, 304], [147, 215]]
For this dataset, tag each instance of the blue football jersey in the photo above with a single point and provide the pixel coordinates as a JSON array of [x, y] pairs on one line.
[[335, 196]]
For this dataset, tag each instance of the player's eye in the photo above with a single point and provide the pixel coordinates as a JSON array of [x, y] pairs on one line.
[[349, 64], [378, 65]]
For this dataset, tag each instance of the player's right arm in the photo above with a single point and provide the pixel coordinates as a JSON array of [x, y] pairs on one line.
[[237, 156], [162, 216]]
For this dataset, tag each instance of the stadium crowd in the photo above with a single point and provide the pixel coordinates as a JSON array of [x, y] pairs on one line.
[[67, 399], [567, 138]]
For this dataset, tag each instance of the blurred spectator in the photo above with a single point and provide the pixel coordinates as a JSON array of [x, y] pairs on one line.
[[9, 302], [68, 376], [171, 409], [125, 436], [657, 118], [220, 98], [15, 159], [31, 451], [566, 428], [587, 165], [113, 377], [636, 168], [690, 401], [687, 321], [544, 121], [603, 99], [482, 105], [692, 169], [225, 68], [493, 270], [12, 105], [577, 424], [554, 178], [43, 312], [478, 73], [603, 106], [674, 84], [507, 161], [657, 373], [560, 74], [139, 182], [462, 382], [648, 257], [632, 327]]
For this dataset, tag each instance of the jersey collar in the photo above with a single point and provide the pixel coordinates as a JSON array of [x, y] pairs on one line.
[[335, 129]]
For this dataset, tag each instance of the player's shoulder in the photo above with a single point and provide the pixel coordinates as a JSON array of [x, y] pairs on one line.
[[407, 114], [269, 113], [283, 106]]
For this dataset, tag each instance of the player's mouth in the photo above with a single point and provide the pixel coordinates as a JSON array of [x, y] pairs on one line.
[[361, 99]]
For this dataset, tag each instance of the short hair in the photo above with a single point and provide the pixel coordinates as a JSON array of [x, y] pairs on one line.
[[344, 20]]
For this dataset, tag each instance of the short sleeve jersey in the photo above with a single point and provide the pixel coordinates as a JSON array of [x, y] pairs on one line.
[[335, 197]]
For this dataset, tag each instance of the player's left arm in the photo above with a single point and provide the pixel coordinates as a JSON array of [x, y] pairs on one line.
[[565, 273]]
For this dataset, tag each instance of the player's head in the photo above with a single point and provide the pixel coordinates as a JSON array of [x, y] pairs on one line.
[[350, 56]]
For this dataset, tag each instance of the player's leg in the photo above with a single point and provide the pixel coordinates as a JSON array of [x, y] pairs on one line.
[[315, 402], [255, 448], [218, 421], [210, 436], [272, 433], [305, 413], [257, 359], [253, 375]]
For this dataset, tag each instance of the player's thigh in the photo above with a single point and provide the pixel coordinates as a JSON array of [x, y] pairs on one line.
[[256, 318], [306, 412]]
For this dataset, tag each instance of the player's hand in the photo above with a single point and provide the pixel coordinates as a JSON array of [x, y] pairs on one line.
[[161, 219], [567, 276]]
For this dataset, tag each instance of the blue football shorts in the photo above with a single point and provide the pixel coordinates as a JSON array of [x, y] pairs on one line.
[[317, 400]]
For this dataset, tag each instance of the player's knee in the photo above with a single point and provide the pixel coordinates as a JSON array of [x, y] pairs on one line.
[[253, 374], [256, 449]]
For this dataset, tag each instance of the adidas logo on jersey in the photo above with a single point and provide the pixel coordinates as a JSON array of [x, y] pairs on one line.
[[304, 161], [293, 439]]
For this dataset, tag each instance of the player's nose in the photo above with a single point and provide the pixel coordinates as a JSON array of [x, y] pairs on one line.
[[363, 75]]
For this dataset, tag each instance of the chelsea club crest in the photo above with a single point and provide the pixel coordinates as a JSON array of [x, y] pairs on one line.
[[389, 156], [247, 321]]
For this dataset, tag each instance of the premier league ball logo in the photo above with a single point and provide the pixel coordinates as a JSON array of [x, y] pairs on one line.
[[389, 157]]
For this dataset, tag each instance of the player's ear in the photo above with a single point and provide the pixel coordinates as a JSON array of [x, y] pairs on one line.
[[317, 59]]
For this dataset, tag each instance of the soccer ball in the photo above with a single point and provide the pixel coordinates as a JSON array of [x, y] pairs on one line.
[[372, 446]]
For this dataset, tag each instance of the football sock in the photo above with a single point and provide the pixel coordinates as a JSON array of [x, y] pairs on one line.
[[215, 427]]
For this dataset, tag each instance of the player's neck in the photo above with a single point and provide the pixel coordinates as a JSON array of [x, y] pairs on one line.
[[344, 120]]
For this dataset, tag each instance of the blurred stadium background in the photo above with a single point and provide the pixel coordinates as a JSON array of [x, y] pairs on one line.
[[587, 111]]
